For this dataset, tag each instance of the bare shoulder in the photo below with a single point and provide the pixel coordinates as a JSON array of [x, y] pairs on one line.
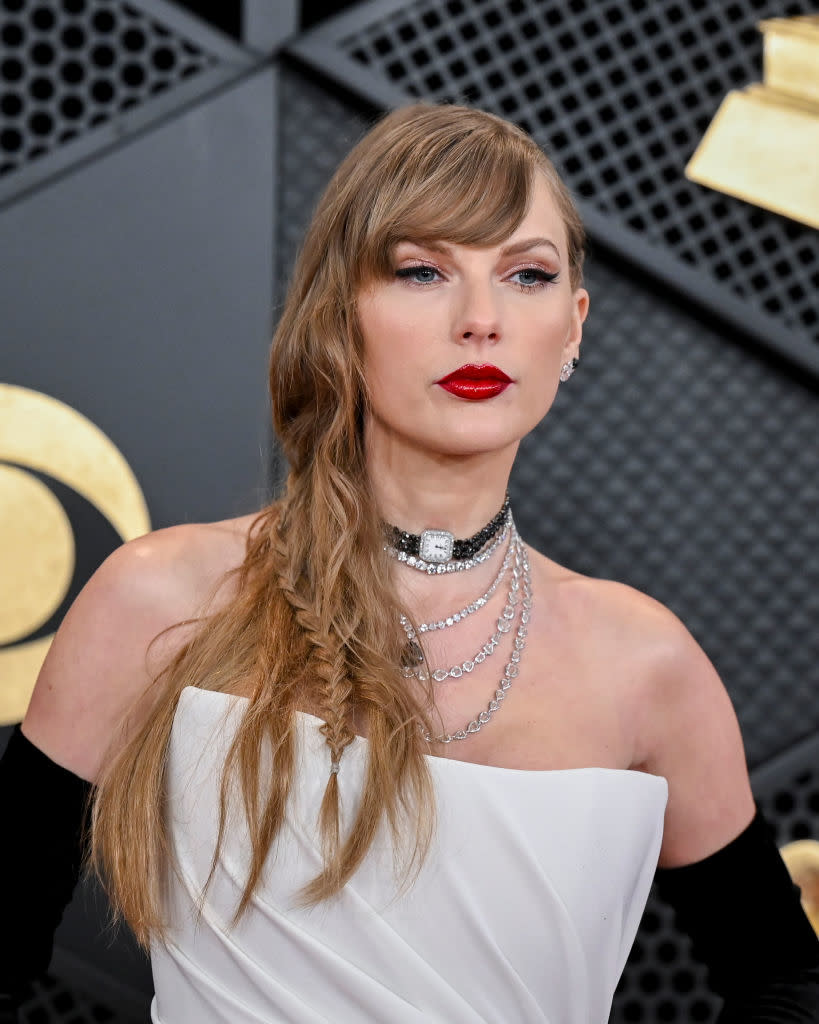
[[104, 658], [615, 616], [683, 722]]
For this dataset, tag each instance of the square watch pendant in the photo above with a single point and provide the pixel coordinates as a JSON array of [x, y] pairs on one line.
[[436, 545]]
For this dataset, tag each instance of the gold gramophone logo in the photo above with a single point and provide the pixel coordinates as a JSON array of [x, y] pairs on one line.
[[762, 144], [802, 860], [67, 499]]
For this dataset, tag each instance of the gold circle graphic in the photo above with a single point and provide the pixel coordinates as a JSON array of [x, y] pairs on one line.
[[41, 433], [38, 554]]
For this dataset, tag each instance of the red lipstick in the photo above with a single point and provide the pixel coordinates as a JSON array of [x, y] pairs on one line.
[[475, 383]]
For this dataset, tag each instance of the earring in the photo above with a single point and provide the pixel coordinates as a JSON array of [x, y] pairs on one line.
[[567, 369]]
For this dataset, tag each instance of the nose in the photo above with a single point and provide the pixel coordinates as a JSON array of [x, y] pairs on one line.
[[478, 318]]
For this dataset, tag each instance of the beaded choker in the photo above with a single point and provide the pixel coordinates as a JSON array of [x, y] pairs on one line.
[[440, 545]]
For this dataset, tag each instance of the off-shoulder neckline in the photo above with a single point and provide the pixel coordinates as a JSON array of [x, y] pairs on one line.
[[362, 742]]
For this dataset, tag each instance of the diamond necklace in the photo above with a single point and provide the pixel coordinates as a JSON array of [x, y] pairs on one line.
[[504, 625], [510, 671], [454, 565], [441, 545], [473, 606]]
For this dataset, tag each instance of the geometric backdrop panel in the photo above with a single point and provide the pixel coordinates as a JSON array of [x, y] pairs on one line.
[[619, 92]]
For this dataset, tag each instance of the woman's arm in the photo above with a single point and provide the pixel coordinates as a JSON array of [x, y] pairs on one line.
[[43, 807], [720, 868], [744, 915], [97, 670]]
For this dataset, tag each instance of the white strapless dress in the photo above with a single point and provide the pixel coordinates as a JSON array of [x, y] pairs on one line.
[[523, 913]]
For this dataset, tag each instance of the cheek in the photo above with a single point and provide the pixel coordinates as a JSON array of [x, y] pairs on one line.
[[393, 340], [545, 337]]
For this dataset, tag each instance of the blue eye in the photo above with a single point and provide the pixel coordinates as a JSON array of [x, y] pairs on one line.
[[420, 274], [533, 277]]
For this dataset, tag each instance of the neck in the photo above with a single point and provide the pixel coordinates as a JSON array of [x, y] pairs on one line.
[[416, 491]]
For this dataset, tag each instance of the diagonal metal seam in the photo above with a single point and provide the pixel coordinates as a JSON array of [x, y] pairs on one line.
[[226, 64], [100, 988], [177, 19], [124, 128], [789, 763], [318, 51]]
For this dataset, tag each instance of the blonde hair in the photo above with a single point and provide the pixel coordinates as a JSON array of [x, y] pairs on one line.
[[313, 623]]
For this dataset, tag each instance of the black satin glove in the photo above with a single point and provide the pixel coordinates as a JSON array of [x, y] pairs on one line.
[[8, 1009], [795, 1000], [747, 924], [42, 808]]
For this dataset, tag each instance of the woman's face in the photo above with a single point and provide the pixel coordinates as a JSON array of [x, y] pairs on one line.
[[463, 346]]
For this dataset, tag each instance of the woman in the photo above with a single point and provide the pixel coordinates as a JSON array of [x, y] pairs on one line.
[[346, 789]]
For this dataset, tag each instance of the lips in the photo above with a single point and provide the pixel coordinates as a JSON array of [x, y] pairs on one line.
[[475, 383]]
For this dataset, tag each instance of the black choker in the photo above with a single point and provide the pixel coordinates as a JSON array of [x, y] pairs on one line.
[[441, 545]]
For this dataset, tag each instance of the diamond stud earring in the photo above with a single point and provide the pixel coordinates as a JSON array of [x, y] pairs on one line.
[[567, 369]]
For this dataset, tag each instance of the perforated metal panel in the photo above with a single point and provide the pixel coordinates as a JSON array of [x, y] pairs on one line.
[[70, 66], [662, 981], [53, 1001], [620, 92], [788, 791], [317, 130], [675, 461]]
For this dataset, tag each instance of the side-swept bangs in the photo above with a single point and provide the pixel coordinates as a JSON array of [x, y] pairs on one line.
[[435, 173], [471, 189], [425, 173]]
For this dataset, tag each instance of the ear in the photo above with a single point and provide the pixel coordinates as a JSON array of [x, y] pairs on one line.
[[580, 308]]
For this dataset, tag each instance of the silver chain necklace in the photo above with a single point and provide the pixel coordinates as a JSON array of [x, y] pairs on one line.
[[510, 671], [504, 625], [473, 606]]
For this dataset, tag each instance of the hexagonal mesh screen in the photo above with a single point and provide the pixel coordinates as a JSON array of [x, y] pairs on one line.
[[662, 981], [684, 466], [788, 792], [674, 460], [620, 92], [53, 1001], [69, 65]]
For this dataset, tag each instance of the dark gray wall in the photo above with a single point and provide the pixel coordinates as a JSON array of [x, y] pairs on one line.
[[139, 293]]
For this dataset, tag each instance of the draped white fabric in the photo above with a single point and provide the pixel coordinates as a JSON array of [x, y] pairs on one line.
[[524, 911]]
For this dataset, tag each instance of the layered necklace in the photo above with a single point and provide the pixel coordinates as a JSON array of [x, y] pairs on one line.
[[437, 551]]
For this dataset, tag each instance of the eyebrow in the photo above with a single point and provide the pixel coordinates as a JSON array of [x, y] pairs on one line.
[[529, 243], [508, 250]]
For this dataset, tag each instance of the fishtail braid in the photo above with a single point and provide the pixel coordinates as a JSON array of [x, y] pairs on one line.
[[327, 664]]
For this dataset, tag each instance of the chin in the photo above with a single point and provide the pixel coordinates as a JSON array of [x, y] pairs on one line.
[[493, 428], [475, 439]]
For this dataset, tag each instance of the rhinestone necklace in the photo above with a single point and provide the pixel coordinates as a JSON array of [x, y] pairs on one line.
[[454, 565], [441, 545], [510, 672], [473, 606], [504, 625]]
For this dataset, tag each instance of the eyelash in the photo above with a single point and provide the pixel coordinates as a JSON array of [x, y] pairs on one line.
[[543, 277]]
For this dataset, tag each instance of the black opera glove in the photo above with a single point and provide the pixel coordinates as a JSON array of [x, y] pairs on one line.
[[747, 924], [8, 1010], [42, 809]]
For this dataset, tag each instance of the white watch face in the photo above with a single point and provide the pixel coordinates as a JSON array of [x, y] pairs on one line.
[[436, 545]]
